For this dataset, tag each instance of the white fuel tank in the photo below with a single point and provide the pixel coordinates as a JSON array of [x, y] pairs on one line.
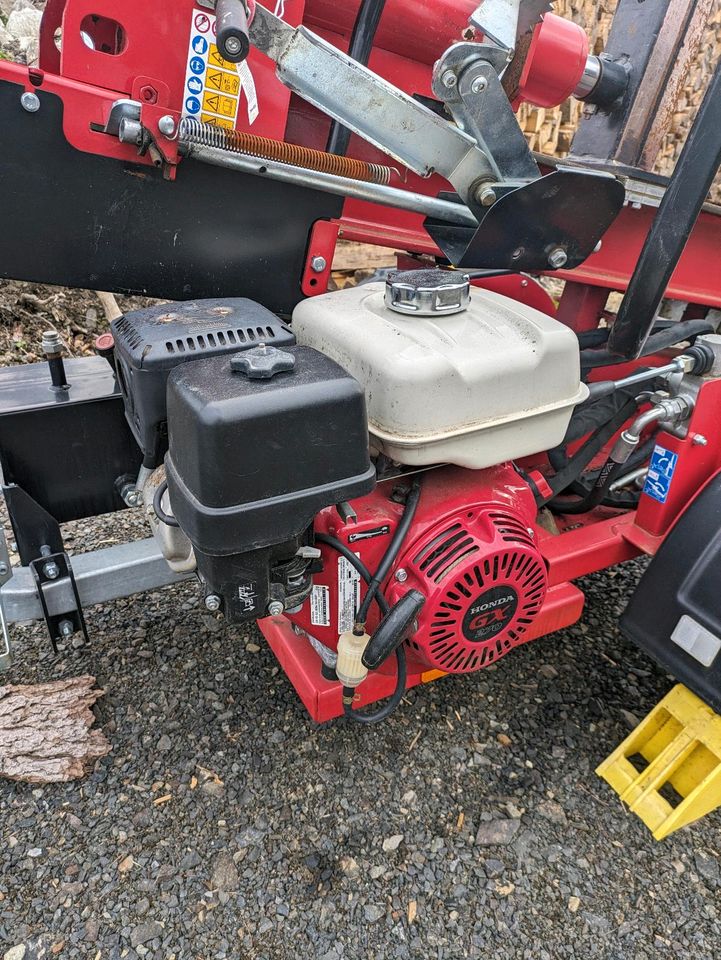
[[452, 373]]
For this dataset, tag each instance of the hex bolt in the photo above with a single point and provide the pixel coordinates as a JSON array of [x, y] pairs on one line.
[[51, 344], [479, 85], [275, 608], [699, 440], [66, 628], [166, 125], [449, 79], [558, 258], [51, 570], [212, 602], [486, 196], [318, 264], [233, 46], [401, 575], [30, 102]]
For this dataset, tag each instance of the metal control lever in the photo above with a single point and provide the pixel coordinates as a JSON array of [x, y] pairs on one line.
[[233, 29]]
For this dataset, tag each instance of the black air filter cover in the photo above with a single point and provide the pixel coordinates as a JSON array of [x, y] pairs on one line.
[[150, 343], [252, 461]]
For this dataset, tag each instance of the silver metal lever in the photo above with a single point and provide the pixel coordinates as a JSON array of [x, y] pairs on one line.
[[370, 106]]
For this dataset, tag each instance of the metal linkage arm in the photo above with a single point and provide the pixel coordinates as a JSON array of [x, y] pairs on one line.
[[370, 106]]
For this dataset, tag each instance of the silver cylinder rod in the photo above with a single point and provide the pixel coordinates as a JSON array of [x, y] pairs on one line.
[[330, 183]]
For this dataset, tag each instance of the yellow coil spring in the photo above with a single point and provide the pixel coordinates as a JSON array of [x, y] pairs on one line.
[[193, 131]]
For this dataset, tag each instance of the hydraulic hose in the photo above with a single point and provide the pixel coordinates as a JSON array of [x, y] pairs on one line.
[[668, 337], [361, 44], [392, 551], [591, 448]]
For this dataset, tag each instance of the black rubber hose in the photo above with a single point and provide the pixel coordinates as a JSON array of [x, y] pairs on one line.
[[393, 550], [392, 703], [361, 44], [668, 337], [591, 448], [158, 506]]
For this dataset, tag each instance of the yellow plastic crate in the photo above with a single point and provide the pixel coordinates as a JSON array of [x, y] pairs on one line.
[[668, 771]]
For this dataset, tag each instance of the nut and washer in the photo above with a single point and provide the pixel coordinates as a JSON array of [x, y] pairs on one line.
[[51, 570], [318, 264], [30, 102], [449, 79], [479, 85], [66, 628], [166, 125], [401, 575], [275, 608], [558, 258], [212, 602]]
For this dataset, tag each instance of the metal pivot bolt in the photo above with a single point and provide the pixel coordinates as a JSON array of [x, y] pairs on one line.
[[212, 602], [66, 628], [275, 608], [30, 102], [449, 79], [486, 196], [233, 46], [479, 85], [699, 440], [401, 575], [558, 258], [318, 264], [51, 570], [166, 125]]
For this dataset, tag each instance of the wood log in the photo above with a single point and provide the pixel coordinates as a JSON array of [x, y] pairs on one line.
[[45, 731]]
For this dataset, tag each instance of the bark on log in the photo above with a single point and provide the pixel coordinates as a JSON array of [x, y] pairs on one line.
[[45, 731]]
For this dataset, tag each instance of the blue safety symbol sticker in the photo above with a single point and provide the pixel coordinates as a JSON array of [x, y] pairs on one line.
[[199, 44], [197, 65], [195, 85], [192, 105], [660, 473]]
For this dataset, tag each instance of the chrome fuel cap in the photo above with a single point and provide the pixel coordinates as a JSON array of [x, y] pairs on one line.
[[428, 293]]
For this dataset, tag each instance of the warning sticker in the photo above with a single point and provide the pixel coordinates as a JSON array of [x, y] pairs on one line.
[[660, 473], [213, 86], [222, 81], [320, 606], [348, 594], [217, 103]]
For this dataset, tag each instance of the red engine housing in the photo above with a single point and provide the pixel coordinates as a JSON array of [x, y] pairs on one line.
[[471, 552]]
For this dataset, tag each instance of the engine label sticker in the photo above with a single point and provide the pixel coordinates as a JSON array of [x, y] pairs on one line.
[[489, 614], [348, 594], [213, 86], [660, 473], [320, 605]]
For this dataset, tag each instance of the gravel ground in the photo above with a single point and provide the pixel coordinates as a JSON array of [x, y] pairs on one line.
[[226, 824]]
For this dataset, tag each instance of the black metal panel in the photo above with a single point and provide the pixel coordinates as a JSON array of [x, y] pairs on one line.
[[683, 578], [66, 448], [81, 220], [571, 209]]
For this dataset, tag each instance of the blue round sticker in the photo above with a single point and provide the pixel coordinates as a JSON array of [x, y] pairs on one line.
[[192, 105], [199, 44], [197, 65], [195, 85]]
